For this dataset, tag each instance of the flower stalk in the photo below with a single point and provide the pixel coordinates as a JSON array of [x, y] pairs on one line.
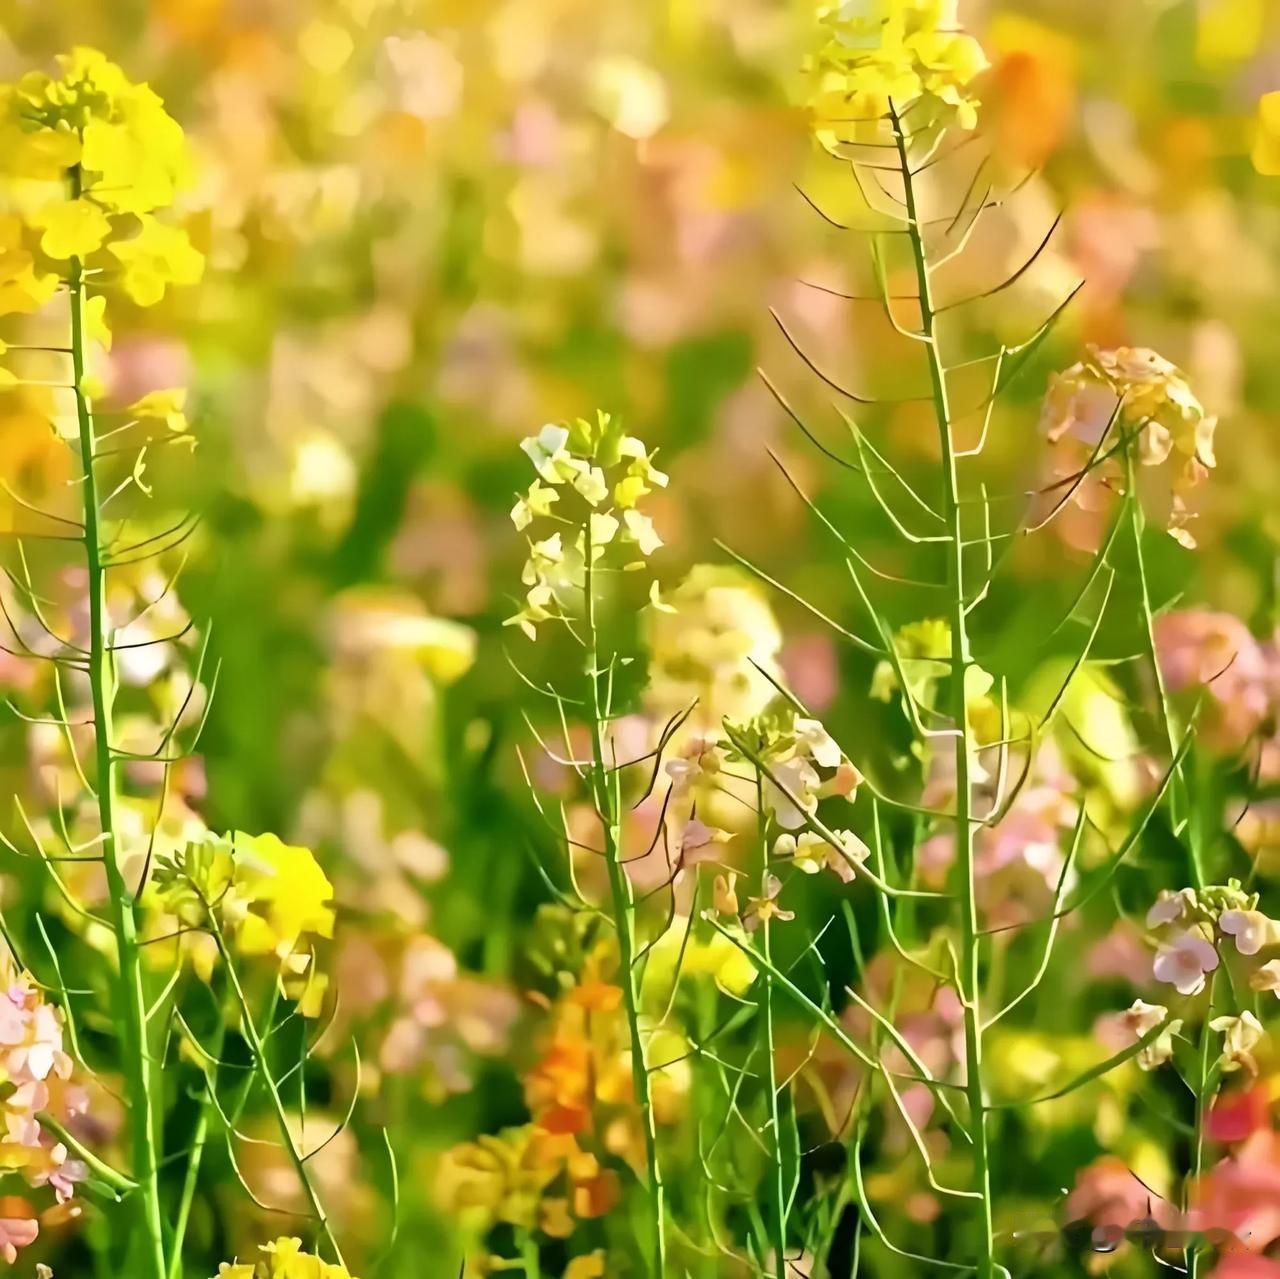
[[968, 977], [140, 1087], [262, 1068], [604, 784], [777, 1186]]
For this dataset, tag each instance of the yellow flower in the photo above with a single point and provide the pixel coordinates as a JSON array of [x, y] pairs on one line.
[[1266, 140], [284, 1260], [166, 407], [22, 291], [72, 228], [156, 257], [286, 892], [905, 50], [590, 1266], [95, 321], [1241, 1035]]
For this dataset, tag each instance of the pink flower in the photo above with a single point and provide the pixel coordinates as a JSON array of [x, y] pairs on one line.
[[1183, 963], [698, 842], [1242, 1193], [1235, 1116], [16, 1231], [1108, 1194], [1217, 651], [1246, 1266], [1169, 907], [812, 669]]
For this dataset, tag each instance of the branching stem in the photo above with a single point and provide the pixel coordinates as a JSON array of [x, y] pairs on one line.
[[605, 782], [968, 974], [140, 1087]]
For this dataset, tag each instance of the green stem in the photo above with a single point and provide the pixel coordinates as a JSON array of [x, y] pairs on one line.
[[115, 1181], [777, 1186], [607, 805], [257, 1048], [1176, 806], [191, 1178], [1193, 1253], [131, 995], [968, 976]]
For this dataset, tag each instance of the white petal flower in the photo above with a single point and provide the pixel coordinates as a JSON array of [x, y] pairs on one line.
[[546, 451], [817, 743], [640, 530], [790, 793]]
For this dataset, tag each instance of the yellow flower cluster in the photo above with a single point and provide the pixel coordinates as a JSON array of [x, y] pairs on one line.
[[891, 54], [89, 157], [265, 896], [594, 475], [284, 1260], [1136, 389]]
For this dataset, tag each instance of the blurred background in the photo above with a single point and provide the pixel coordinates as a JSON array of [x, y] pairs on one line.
[[432, 227]]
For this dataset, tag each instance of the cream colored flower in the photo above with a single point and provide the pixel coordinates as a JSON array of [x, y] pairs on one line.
[[1251, 929], [811, 853], [1141, 1019], [791, 792], [814, 740], [1266, 977], [1240, 1036]]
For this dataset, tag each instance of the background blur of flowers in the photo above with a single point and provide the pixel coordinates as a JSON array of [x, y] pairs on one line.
[[432, 226]]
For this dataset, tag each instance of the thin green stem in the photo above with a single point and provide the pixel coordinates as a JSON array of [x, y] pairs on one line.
[[262, 1067], [968, 974], [115, 1181], [1178, 810], [604, 785], [131, 998], [777, 1182], [191, 1178], [1193, 1253]]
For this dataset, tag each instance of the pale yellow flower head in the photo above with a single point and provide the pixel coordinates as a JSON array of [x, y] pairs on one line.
[[883, 55], [581, 508]]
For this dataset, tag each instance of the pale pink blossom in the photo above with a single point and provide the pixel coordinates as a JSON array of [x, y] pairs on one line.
[[16, 1233], [1251, 929], [1183, 963], [1202, 649], [698, 841]]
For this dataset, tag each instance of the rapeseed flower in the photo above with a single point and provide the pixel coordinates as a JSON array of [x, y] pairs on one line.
[[902, 52]]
